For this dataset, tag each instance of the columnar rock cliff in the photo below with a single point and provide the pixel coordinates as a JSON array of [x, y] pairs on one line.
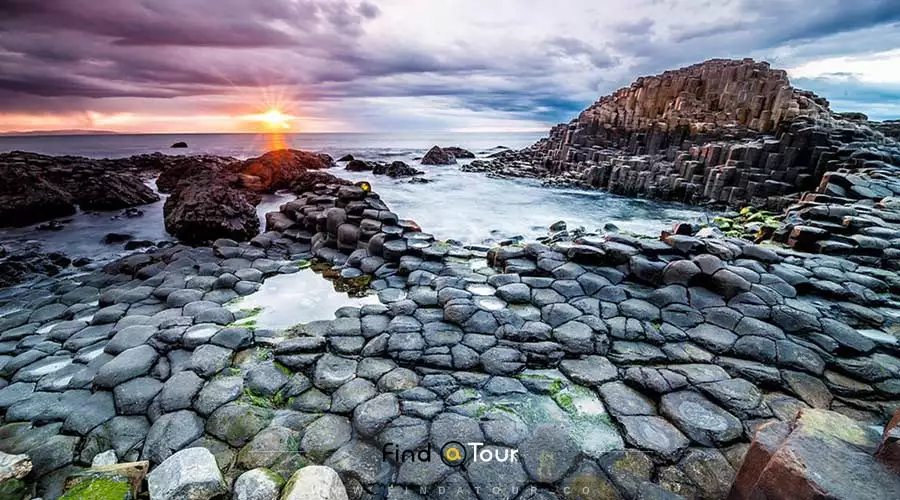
[[718, 94], [727, 132]]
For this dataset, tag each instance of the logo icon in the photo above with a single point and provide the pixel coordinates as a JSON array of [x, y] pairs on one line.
[[453, 453]]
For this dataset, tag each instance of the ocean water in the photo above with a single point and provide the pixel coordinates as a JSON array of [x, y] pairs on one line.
[[468, 207]]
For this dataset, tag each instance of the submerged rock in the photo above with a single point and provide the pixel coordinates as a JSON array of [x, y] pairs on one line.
[[180, 144]]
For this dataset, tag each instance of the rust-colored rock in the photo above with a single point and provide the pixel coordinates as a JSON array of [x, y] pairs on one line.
[[825, 455], [888, 452], [278, 169]]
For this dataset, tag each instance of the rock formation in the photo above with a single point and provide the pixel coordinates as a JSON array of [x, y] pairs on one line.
[[438, 156], [277, 169], [35, 187], [394, 169], [733, 134], [203, 208], [215, 197]]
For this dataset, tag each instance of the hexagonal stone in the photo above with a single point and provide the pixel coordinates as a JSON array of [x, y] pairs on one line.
[[272, 445], [129, 337], [218, 392], [98, 409], [448, 427], [497, 480], [134, 397], [589, 370], [714, 338], [208, 360], [655, 435], [130, 364], [622, 400], [557, 314], [266, 379], [179, 390], [738, 396], [332, 372], [180, 298], [371, 417], [170, 433], [810, 389], [325, 435], [548, 454], [360, 460], [351, 395], [575, 337], [398, 379], [237, 424], [700, 419], [502, 361]]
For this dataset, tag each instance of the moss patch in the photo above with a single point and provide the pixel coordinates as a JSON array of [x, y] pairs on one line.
[[98, 488]]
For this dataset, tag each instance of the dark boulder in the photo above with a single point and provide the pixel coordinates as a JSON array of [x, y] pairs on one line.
[[204, 208], [346, 158], [438, 156], [309, 180], [109, 191], [20, 262], [26, 197], [180, 144], [185, 167], [358, 166], [396, 169], [113, 238], [458, 152]]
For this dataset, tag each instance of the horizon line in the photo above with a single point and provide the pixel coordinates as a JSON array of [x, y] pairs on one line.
[[53, 133]]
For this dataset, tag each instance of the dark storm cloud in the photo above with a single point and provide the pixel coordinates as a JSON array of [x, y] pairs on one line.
[[200, 23]]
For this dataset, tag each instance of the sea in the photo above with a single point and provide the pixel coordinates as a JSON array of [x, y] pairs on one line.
[[468, 207]]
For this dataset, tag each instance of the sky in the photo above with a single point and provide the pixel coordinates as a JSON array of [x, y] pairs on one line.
[[147, 66]]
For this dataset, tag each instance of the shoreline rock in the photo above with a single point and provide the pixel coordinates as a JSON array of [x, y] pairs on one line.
[[36, 188], [659, 363]]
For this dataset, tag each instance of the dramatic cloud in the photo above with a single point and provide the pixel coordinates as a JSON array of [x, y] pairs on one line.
[[198, 65]]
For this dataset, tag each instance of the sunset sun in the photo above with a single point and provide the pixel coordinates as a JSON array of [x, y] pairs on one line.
[[275, 119]]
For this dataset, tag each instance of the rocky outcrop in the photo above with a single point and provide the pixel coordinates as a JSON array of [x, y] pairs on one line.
[[203, 208], [35, 188], [215, 197], [726, 133], [20, 262], [702, 98], [459, 152], [26, 198], [277, 169], [438, 156], [820, 454], [180, 144], [178, 168], [354, 165], [396, 169]]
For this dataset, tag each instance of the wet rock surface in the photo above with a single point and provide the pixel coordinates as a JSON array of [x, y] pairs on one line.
[[605, 363], [35, 188], [648, 366]]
